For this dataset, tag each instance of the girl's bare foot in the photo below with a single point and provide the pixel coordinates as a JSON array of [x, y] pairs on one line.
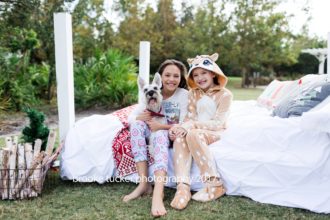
[[140, 190], [157, 207]]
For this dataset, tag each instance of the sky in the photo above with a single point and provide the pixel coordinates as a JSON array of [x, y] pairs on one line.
[[319, 10], [319, 25]]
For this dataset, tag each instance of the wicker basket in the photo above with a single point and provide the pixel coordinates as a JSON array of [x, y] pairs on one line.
[[23, 171]]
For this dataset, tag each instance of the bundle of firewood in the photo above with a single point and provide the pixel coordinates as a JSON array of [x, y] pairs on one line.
[[23, 170]]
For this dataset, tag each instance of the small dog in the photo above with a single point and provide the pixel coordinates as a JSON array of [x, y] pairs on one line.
[[152, 98], [152, 101]]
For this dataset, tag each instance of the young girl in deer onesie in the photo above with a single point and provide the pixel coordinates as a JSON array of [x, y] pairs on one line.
[[208, 108]]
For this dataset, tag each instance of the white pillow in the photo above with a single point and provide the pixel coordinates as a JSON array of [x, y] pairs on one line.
[[317, 120]]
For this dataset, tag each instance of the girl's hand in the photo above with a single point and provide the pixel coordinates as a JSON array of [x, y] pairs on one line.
[[144, 116], [178, 131], [171, 135], [154, 125]]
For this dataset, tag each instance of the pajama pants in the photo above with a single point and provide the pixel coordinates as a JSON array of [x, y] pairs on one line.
[[195, 145], [159, 140]]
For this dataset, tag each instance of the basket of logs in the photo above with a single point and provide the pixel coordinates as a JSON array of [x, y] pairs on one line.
[[23, 169]]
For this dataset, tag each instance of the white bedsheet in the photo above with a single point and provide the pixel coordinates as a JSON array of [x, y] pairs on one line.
[[87, 155], [272, 160], [267, 159]]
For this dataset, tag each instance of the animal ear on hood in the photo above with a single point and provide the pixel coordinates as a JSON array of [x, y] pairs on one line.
[[214, 56], [190, 60], [141, 82], [157, 80]]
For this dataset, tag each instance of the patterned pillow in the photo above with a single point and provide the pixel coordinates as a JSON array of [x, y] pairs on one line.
[[303, 102], [288, 90], [272, 92]]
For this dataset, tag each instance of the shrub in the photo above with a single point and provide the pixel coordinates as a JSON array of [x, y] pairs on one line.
[[108, 80], [16, 89], [37, 129]]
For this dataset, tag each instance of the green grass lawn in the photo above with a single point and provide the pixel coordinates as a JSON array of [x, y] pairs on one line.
[[67, 200], [234, 85]]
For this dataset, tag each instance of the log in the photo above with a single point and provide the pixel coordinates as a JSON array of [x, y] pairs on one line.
[[29, 172], [37, 173], [1, 187], [50, 146], [12, 169], [37, 147], [9, 143], [21, 167], [28, 192], [51, 142], [55, 154], [33, 177], [5, 173]]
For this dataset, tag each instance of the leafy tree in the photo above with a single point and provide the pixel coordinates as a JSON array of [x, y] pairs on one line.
[[205, 33], [16, 89], [262, 37], [35, 15], [91, 29], [142, 24]]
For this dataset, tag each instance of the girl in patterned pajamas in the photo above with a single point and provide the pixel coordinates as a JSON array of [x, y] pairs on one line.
[[174, 107], [208, 108]]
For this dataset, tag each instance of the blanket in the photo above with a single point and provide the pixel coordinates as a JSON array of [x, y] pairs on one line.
[[121, 145]]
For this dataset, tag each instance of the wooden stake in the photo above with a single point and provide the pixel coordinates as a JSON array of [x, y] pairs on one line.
[[1, 187], [12, 169], [50, 146], [21, 167], [9, 143], [5, 172], [29, 158], [33, 168], [37, 147], [37, 173]]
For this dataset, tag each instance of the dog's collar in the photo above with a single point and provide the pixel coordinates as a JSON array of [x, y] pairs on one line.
[[158, 114]]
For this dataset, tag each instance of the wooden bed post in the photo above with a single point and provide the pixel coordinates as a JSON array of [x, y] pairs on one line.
[[144, 63], [328, 57], [64, 72]]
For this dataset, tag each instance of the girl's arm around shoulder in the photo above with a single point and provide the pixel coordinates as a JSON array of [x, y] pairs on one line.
[[183, 103], [191, 115]]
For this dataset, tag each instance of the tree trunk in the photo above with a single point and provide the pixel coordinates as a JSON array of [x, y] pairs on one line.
[[244, 77]]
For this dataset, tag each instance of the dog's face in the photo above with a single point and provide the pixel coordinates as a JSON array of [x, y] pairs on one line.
[[152, 93]]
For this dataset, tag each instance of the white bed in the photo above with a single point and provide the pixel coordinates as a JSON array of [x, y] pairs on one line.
[[275, 160], [268, 159]]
